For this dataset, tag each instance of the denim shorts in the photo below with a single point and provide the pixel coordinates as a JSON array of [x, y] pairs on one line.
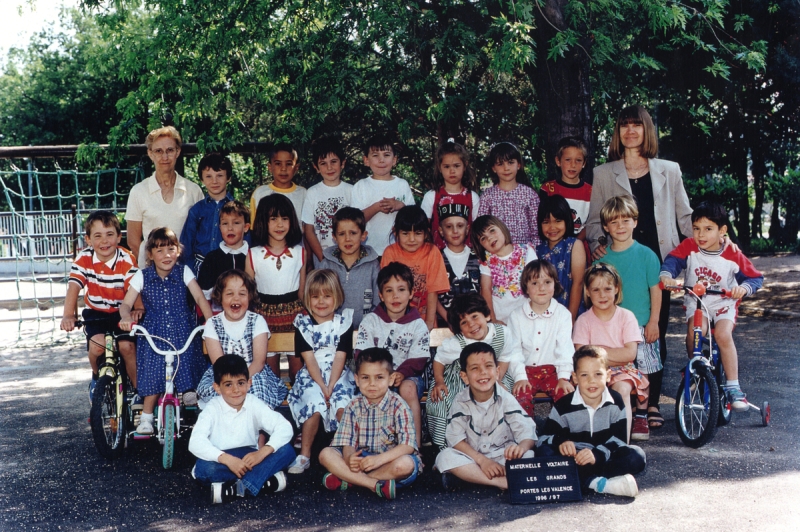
[[418, 381], [404, 481]]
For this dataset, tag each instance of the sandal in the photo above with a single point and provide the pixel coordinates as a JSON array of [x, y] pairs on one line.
[[654, 418]]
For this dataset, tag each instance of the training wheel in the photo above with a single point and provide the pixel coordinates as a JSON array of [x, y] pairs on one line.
[[765, 413]]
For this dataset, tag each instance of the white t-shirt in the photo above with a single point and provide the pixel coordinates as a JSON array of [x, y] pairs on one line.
[[458, 261], [430, 197], [137, 281], [146, 205], [321, 204], [369, 191], [235, 329]]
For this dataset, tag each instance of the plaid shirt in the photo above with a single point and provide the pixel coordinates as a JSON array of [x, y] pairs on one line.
[[376, 428]]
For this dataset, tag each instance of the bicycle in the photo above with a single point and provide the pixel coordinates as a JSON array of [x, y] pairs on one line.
[[701, 404], [168, 418], [110, 414]]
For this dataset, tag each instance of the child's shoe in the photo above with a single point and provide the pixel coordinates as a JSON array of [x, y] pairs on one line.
[[450, 482], [297, 443], [275, 483], [385, 489], [334, 483], [145, 426], [225, 491], [92, 385], [738, 399], [624, 486], [300, 464], [640, 431]]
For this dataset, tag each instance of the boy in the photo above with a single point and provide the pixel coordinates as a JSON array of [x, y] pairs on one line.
[[638, 268], [589, 425], [232, 251], [105, 270], [375, 445], [283, 165], [571, 160], [225, 438], [486, 425], [355, 263], [201, 232], [463, 270], [396, 326], [381, 195], [719, 266], [324, 199]]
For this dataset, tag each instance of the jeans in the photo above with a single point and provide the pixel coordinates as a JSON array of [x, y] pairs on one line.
[[207, 472], [623, 461]]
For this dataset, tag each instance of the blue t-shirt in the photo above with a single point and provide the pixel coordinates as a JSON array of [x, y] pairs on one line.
[[638, 268]]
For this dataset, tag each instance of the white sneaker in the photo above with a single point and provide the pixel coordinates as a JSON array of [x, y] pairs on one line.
[[276, 483], [624, 486], [300, 464], [145, 426]]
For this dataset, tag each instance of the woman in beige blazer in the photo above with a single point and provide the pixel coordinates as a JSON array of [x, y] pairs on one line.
[[664, 209]]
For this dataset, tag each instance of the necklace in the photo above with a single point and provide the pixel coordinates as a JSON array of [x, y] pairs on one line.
[[637, 172]]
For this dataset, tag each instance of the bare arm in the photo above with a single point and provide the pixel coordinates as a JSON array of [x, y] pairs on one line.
[[259, 354], [486, 292], [372, 210], [373, 462], [430, 316], [577, 269], [134, 237], [313, 369], [619, 356], [126, 321], [301, 289], [214, 349], [200, 299], [313, 241], [651, 328], [336, 370], [70, 307]]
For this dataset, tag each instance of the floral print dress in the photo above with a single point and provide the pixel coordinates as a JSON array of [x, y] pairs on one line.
[[306, 398], [506, 273]]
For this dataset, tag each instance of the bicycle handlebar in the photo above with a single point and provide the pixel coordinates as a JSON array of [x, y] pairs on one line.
[[698, 290], [149, 337]]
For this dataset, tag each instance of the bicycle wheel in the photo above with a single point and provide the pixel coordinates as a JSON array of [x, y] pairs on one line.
[[725, 408], [696, 417], [169, 436], [108, 424]]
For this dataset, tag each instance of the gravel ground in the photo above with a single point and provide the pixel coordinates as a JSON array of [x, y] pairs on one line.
[[51, 477]]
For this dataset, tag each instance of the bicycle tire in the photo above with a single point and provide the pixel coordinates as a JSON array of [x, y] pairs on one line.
[[725, 408], [108, 425], [169, 436], [696, 422]]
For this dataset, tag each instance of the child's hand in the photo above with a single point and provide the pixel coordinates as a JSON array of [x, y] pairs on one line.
[[370, 463], [565, 386], [669, 282], [126, 325], [395, 205], [492, 469], [513, 452], [651, 331], [599, 253], [253, 459], [396, 378], [355, 461], [738, 292], [567, 449], [68, 323], [387, 205], [439, 392], [136, 315], [521, 386], [584, 457], [236, 465]]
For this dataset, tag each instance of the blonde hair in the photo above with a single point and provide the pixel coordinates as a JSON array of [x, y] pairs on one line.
[[325, 282], [607, 272], [635, 114], [618, 207], [166, 131]]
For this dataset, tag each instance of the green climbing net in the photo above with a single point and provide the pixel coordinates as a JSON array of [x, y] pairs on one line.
[[41, 228]]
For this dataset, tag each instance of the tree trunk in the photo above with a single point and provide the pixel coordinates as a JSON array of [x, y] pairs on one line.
[[563, 89], [759, 170]]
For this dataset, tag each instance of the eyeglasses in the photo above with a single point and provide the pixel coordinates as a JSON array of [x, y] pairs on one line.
[[169, 152]]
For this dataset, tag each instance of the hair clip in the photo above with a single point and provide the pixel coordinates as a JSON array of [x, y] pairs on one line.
[[599, 267], [503, 142], [451, 140]]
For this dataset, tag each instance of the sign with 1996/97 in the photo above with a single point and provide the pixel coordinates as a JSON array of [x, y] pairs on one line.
[[541, 480]]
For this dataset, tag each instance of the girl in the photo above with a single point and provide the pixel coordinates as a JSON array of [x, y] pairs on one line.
[[324, 339], [559, 248], [460, 262], [455, 183], [468, 318], [607, 325], [277, 262], [511, 199], [543, 329], [501, 266], [162, 285], [412, 230], [238, 331]]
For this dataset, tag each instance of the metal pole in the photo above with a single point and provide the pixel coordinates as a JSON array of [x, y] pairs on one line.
[[74, 230], [30, 185]]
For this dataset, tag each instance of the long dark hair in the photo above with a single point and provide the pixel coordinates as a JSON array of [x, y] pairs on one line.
[[506, 151], [276, 205]]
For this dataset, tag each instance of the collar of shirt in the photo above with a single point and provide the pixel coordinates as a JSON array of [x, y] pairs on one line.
[[228, 410], [283, 190], [551, 310], [153, 186], [495, 395], [577, 399], [337, 253], [111, 263], [383, 404], [230, 251], [226, 199]]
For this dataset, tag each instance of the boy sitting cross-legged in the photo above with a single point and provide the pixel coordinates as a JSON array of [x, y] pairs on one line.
[[225, 438], [486, 425], [397, 326], [375, 445], [589, 425]]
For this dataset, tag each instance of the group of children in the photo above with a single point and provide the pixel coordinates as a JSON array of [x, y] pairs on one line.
[[506, 272]]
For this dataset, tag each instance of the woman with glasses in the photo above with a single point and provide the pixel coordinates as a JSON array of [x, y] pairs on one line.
[[164, 198], [657, 187]]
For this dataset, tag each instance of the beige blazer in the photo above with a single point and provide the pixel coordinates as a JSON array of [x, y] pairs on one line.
[[670, 201]]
